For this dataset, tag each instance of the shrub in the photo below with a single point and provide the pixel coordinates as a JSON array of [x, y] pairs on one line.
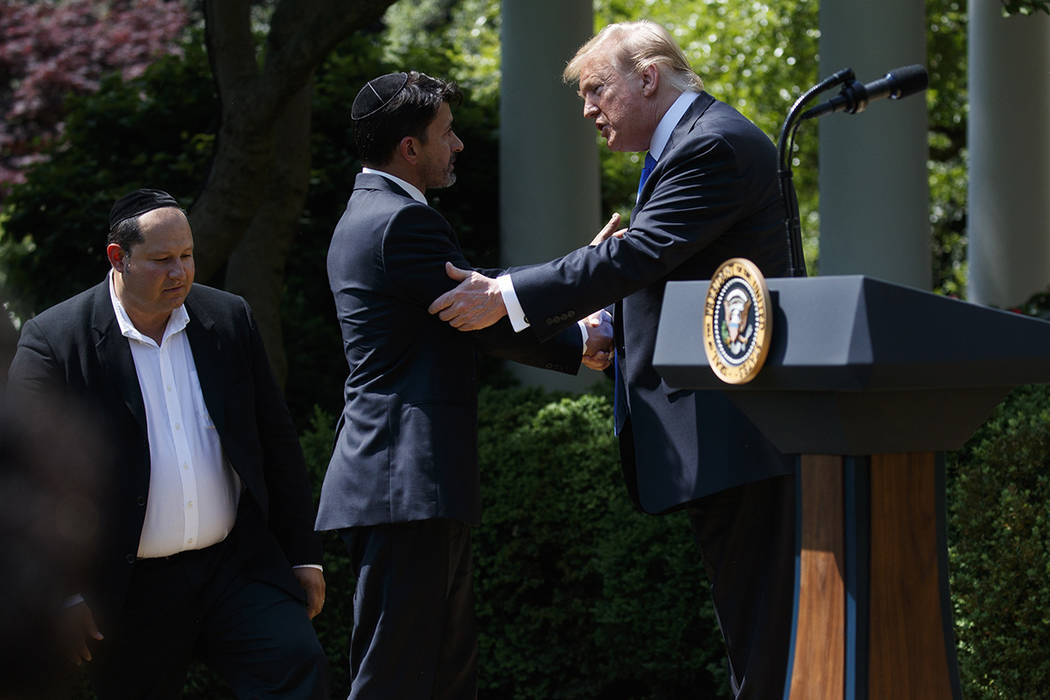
[[578, 595], [999, 514]]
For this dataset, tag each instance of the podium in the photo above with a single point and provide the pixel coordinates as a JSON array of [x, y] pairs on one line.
[[868, 382]]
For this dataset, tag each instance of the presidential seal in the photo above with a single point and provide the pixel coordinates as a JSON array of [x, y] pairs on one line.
[[737, 321]]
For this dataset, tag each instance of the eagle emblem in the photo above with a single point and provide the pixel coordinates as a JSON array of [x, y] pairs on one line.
[[737, 323]]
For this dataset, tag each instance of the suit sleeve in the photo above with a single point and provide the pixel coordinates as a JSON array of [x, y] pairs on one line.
[[291, 510], [696, 198], [416, 246], [34, 370]]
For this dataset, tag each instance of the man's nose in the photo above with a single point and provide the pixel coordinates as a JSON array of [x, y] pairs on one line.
[[590, 110]]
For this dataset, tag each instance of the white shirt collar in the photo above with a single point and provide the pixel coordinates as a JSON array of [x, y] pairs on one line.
[[669, 121], [412, 190], [176, 322]]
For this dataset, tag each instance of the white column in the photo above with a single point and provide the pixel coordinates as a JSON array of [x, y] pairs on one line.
[[549, 173], [1008, 212], [874, 190]]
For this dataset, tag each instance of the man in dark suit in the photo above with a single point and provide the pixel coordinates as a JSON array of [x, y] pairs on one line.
[[402, 486], [709, 192], [207, 505]]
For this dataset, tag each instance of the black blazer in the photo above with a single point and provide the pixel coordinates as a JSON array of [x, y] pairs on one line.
[[713, 195], [406, 443], [75, 350]]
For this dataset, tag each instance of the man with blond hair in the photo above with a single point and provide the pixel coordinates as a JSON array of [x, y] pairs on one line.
[[708, 192]]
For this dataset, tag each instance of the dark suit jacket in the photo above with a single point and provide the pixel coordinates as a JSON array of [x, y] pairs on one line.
[[713, 195], [406, 444], [75, 350]]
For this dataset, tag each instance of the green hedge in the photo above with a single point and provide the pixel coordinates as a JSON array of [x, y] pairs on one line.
[[580, 596], [998, 519]]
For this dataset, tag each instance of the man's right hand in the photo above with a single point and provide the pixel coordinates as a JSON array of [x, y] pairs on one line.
[[78, 627], [597, 353]]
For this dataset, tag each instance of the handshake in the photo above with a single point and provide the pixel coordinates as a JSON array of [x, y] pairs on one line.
[[598, 350]]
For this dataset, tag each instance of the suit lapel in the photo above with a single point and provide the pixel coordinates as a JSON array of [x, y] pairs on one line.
[[114, 354], [206, 347]]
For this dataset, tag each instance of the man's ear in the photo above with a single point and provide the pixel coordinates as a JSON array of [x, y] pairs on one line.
[[407, 149], [116, 256], [650, 80]]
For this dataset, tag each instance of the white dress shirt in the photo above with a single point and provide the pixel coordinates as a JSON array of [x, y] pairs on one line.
[[193, 492], [661, 135]]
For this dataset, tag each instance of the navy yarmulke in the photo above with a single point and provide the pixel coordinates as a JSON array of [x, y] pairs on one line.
[[376, 94], [139, 202]]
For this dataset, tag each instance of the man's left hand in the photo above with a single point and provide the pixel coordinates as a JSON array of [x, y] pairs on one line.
[[312, 581], [474, 303]]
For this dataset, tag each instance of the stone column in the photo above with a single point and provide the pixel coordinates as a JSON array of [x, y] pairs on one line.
[[549, 173], [874, 190], [1008, 216]]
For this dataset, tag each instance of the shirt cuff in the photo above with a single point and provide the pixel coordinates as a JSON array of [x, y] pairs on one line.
[[73, 600], [583, 332], [514, 311], [308, 566]]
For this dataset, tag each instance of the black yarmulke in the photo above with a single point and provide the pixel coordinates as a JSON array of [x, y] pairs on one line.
[[139, 202], [376, 94]]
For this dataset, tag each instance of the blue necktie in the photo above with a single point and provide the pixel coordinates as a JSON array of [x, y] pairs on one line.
[[618, 388], [647, 168]]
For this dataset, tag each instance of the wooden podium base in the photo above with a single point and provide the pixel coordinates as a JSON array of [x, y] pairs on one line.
[[872, 612]]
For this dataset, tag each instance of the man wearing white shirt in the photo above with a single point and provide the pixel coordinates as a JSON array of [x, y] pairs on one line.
[[708, 192], [206, 548]]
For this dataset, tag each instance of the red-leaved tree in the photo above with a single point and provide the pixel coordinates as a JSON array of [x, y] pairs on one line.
[[50, 50]]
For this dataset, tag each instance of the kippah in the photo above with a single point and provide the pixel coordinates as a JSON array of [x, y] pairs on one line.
[[376, 94], [139, 202]]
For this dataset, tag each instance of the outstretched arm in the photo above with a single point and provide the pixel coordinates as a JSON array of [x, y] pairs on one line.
[[475, 303]]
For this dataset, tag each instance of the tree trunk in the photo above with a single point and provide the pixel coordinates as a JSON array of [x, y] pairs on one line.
[[255, 270], [246, 213]]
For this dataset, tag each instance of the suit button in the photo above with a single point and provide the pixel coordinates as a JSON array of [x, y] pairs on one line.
[[570, 313], [130, 558], [141, 500]]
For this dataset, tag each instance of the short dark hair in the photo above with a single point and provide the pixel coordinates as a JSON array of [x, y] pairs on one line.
[[126, 233], [408, 113]]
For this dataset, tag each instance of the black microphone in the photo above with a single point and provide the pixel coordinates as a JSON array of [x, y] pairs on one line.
[[855, 96]]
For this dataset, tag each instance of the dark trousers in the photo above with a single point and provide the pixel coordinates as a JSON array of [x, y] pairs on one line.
[[414, 634], [254, 633], [747, 538]]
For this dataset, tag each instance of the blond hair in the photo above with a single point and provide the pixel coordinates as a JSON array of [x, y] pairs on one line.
[[634, 46]]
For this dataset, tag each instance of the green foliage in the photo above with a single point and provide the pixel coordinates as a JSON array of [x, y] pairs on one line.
[[155, 130], [1025, 7], [578, 595], [947, 104], [998, 518], [1038, 305]]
